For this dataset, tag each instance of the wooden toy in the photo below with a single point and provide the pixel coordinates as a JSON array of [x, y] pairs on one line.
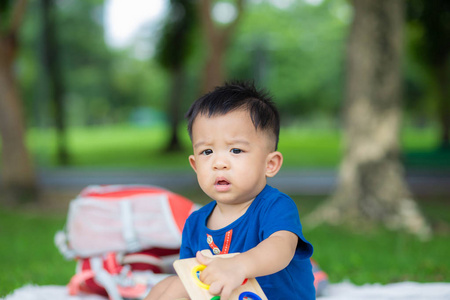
[[188, 269]]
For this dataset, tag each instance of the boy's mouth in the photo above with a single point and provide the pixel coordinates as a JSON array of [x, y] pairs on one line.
[[221, 181], [221, 184]]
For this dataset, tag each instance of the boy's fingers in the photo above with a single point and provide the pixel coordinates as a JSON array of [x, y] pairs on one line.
[[215, 288], [226, 293], [202, 259]]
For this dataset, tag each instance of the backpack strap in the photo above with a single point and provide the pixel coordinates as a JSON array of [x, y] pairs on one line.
[[108, 274], [62, 244], [136, 292], [104, 278], [77, 280], [128, 230]]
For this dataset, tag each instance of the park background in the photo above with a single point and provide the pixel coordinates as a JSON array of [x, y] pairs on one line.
[[78, 108]]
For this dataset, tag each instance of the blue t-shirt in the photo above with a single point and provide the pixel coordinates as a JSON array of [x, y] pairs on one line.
[[271, 211]]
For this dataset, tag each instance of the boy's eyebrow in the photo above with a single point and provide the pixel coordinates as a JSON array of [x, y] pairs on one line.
[[198, 144], [237, 141]]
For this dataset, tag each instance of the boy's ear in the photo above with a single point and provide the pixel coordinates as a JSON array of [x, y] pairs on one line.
[[192, 162], [274, 162]]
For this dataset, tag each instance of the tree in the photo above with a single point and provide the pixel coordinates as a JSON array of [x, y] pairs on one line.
[[174, 49], [217, 40], [87, 64], [371, 185], [433, 50], [51, 63], [18, 175], [300, 48]]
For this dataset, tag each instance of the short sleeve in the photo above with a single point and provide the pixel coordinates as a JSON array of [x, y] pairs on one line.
[[186, 239], [281, 213]]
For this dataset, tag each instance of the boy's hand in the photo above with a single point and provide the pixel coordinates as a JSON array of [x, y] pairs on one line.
[[226, 274], [222, 274]]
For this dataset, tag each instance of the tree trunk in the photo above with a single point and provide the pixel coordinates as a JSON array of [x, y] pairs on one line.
[[214, 73], [18, 176], [178, 78], [173, 51], [56, 84], [217, 41], [371, 185], [443, 105]]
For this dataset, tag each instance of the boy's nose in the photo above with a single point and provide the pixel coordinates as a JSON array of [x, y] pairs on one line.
[[220, 164]]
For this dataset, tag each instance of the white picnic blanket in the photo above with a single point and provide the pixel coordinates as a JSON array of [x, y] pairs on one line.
[[393, 291], [338, 291]]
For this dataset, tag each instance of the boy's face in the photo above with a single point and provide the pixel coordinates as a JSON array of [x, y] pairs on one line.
[[232, 158]]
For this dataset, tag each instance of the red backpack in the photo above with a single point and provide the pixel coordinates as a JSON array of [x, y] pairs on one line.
[[124, 238]]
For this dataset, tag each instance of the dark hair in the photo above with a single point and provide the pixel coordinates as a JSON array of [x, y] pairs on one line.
[[236, 95]]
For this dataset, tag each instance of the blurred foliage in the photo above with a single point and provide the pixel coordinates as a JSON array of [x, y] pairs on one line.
[[428, 48], [104, 85], [175, 44], [293, 48], [294, 51]]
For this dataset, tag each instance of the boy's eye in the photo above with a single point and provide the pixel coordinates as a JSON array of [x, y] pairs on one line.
[[236, 151], [206, 152]]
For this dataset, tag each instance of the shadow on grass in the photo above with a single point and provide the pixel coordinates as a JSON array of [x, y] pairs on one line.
[[432, 159]]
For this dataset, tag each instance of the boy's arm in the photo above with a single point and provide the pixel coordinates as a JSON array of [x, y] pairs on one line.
[[270, 256]]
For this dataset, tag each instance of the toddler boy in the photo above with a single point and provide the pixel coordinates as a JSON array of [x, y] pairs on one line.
[[234, 132]]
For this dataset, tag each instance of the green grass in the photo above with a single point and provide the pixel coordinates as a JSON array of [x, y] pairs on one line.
[[27, 252], [382, 256], [137, 147], [115, 146], [422, 150], [308, 147], [378, 256]]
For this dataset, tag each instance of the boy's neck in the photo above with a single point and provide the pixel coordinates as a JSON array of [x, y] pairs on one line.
[[225, 214]]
